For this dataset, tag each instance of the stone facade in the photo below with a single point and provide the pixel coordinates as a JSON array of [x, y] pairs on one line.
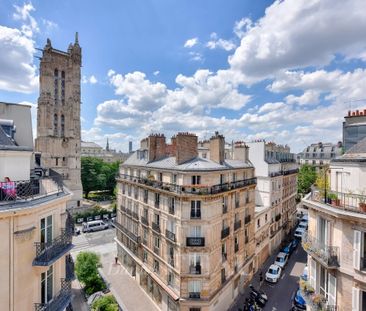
[[185, 224], [58, 116]]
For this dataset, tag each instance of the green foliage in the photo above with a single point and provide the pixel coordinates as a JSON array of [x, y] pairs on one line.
[[322, 181], [96, 210], [98, 175], [306, 178], [105, 303], [86, 270], [332, 196]]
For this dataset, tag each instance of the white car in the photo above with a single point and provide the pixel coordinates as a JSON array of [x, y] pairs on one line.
[[281, 260], [305, 218], [303, 224], [95, 225], [299, 232], [273, 274]]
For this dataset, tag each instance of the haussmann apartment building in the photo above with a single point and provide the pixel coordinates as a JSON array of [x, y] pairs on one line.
[[184, 226]]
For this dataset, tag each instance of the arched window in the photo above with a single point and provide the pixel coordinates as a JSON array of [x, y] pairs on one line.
[[56, 85], [63, 87], [62, 125], [55, 125]]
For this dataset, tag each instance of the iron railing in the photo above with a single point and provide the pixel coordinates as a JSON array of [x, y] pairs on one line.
[[59, 302], [225, 232], [27, 190], [48, 252], [344, 201], [195, 241], [237, 224], [170, 235], [69, 268], [194, 295], [134, 237], [309, 297], [191, 189], [328, 255]]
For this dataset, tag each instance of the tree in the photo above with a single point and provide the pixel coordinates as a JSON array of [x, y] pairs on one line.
[[322, 181], [98, 175], [306, 178], [105, 303], [86, 269]]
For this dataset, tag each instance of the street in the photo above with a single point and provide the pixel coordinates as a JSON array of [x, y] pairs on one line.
[[281, 294]]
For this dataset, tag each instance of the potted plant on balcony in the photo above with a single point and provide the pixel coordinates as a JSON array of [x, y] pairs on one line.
[[334, 199]]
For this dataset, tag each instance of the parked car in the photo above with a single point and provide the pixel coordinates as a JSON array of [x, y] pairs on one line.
[[303, 224], [281, 260], [305, 218], [95, 225], [287, 249], [295, 243], [273, 274], [298, 303], [299, 232]]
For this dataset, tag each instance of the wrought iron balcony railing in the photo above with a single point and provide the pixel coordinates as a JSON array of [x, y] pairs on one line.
[[195, 241], [48, 252], [135, 215], [170, 235], [351, 202], [225, 232], [69, 268], [195, 214], [194, 295], [12, 192], [134, 237], [155, 227], [328, 255], [237, 224], [190, 189], [144, 221], [59, 302]]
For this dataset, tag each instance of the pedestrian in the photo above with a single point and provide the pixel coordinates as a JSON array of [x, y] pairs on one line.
[[116, 260]]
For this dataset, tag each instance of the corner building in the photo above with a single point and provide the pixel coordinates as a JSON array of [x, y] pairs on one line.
[[181, 226]]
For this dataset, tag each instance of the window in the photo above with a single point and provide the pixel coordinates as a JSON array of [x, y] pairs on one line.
[[160, 176], [196, 180], [265, 218], [174, 179], [146, 214], [157, 219], [223, 251], [222, 179], [146, 196], [55, 124], [196, 232], [170, 278], [195, 209], [194, 287], [195, 263], [156, 266], [157, 200], [258, 223], [156, 242], [359, 250], [46, 230], [62, 125], [47, 285], [171, 205], [144, 258]]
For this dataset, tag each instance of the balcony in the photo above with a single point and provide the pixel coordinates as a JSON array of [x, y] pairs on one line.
[[47, 253], [327, 255], [13, 193], [170, 235], [134, 237], [247, 219], [59, 302], [135, 215], [237, 225], [69, 268], [195, 269], [144, 221], [155, 227], [225, 232], [129, 212], [194, 295], [343, 201], [190, 189], [314, 300], [289, 172], [195, 242]]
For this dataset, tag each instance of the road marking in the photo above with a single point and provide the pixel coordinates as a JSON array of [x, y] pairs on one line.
[[283, 275], [292, 297]]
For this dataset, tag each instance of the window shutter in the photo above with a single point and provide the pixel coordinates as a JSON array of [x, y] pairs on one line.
[[355, 299], [332, 290], [356, 249]]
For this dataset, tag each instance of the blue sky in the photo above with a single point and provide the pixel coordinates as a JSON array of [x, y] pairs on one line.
[[286, 71]]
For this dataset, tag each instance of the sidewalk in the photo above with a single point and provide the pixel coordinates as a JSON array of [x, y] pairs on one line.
[[129, 295], [78, 302]]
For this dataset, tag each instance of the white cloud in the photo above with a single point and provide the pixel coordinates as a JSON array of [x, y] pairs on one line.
[[23, 13], [49, 25], [271, 106], [155, 73], [309, 97], [242, 27], [296, 34], [93, 79], [17, 74], [220, 43], [196, 56], [191, 42]]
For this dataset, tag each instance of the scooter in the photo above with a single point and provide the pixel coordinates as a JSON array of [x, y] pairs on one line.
[[251, 305], [259, 297]]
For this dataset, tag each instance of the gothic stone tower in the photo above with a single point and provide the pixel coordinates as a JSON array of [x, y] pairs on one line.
[[58, 116]]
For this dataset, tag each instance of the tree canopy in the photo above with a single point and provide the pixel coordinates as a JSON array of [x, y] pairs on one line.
[[98, 175], [105, 303], [306, 178]]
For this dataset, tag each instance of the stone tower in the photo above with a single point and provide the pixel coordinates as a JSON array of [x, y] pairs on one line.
[[58, 116]]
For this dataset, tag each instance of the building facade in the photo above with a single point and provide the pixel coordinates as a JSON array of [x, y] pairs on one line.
[[320, 154], [58, 115], [36, 230], [91, 149], [185, 223], [276, 171], [336, 238], [354, 128]]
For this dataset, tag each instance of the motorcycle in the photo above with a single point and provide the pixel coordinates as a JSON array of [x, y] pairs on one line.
[[259, 297], [251, 305]]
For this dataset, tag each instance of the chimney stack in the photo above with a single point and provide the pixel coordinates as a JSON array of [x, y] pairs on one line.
[[217, 148], [185, 146], [156, 147], [240, 151]]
